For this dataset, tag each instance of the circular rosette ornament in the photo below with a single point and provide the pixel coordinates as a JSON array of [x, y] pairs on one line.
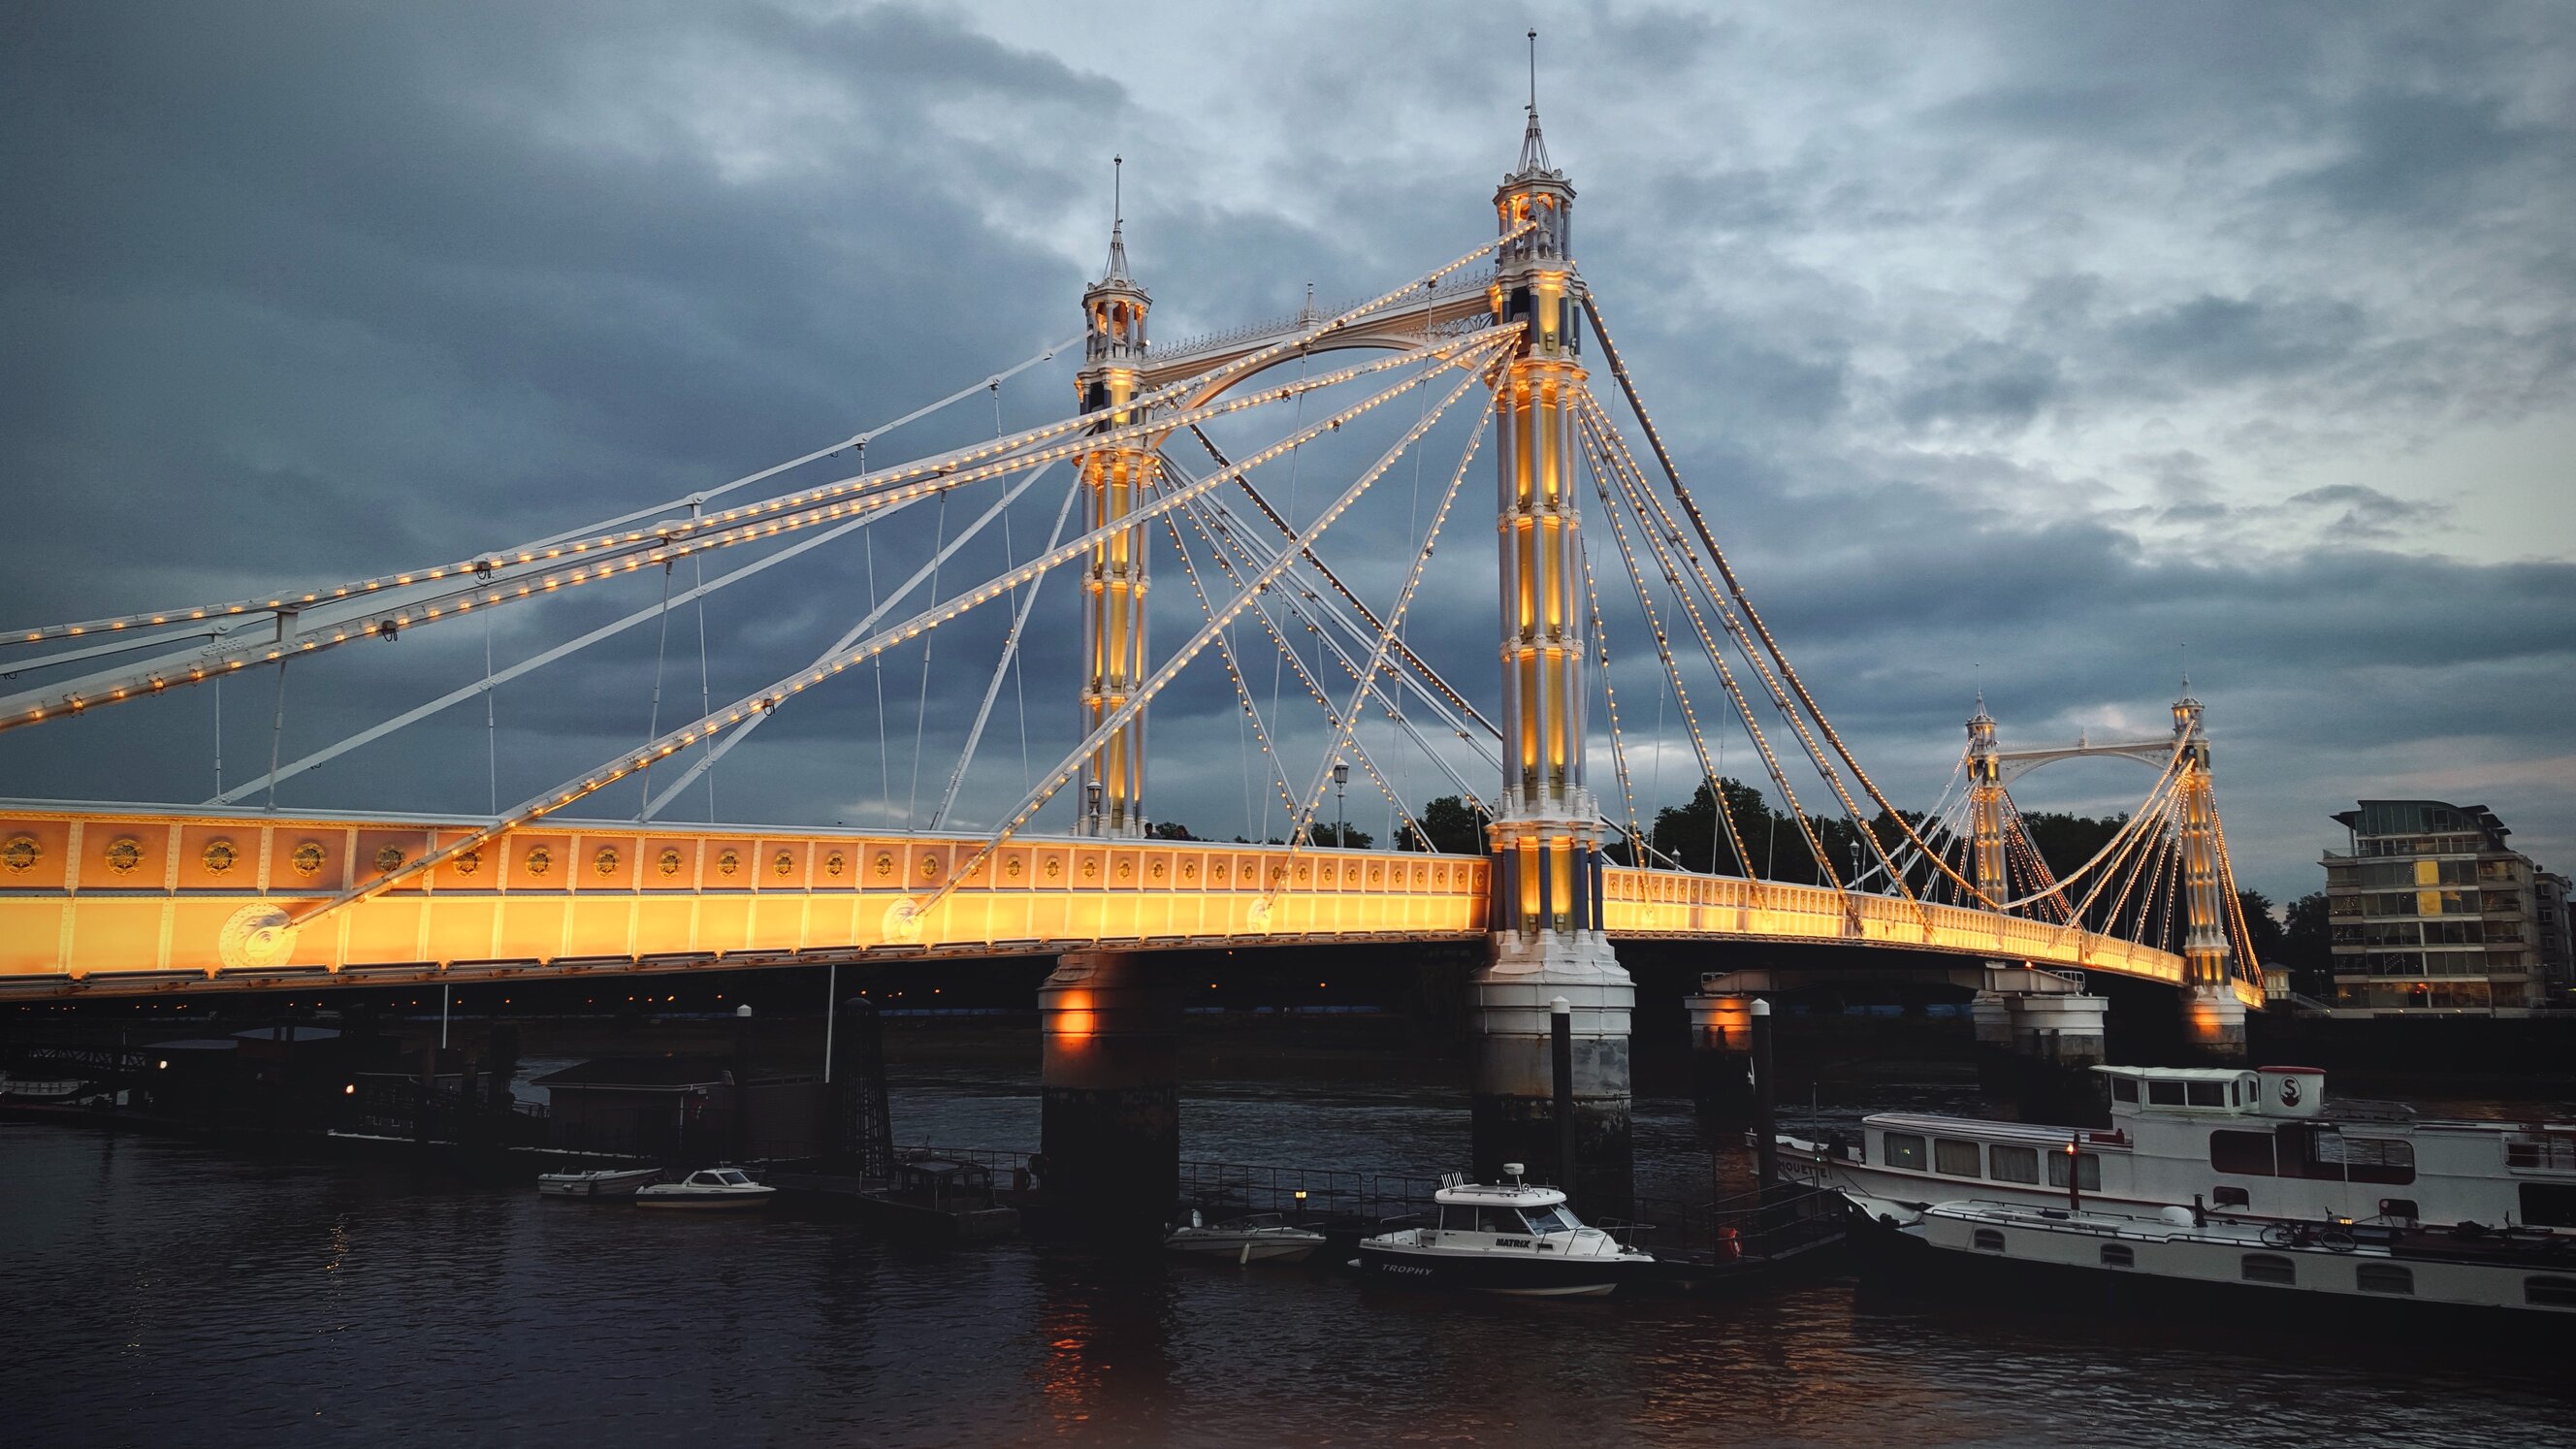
[[257, 936], [903, 921]]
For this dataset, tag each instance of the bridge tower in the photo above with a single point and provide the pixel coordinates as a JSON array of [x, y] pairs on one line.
[[2037, 1040], [2213, 1019], [1111, 798], [1986, 803], [1109, 1103], [1545, 920]]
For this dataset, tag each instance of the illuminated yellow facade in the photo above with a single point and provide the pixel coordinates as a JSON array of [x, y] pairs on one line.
[[117, 901], [1116, 481]]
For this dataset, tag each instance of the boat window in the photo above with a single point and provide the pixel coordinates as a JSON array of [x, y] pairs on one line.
[[2389, 1160], [2549, 1292], [2124, 1089], [1500, 1220], [2248, 1154], [2206, 1094], [2385, 1278], [1904, 1149], [1989, 1241], [1458, 1218], [1551, 1220], [2165, 1094], [2548, 1204], [2224, 1196], [2088, 1170], [2268, 1268], [2119, 1255], [2012, 1164], [734, 1179], [1953, 1158]]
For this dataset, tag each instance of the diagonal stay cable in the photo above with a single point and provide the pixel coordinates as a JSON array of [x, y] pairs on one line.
[[780, 691], [905, 917]]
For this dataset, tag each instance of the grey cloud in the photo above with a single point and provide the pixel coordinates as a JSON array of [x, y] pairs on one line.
[[1977, 341]]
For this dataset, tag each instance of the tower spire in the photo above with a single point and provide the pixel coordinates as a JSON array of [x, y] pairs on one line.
[[1117, 221], [1533, 145]]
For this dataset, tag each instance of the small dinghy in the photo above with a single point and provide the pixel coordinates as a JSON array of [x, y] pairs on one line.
[[707, 1189], [1259, 1238], [1504, 1238], [604, 1182]]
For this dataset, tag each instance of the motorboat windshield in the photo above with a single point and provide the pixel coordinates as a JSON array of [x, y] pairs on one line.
[[1547, 1220]]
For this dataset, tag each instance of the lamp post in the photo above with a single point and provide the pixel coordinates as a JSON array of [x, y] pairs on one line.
[[1341, 816], [1091, 804]]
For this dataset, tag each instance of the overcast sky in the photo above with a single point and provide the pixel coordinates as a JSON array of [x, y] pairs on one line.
[[2012, 347]]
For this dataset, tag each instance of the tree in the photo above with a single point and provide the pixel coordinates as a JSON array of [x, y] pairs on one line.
[[1169, 830], [2307, 945], [1455, 828], [2263, 931], [1349, 837]]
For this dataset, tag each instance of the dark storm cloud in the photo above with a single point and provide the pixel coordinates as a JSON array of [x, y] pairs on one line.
[[2008, 348]]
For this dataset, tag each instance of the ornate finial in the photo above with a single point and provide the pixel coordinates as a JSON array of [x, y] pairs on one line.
[[1117, 221], [1533, 146]]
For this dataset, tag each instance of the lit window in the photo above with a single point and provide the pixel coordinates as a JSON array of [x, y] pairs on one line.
[[1904, 1149], [2088, 1171]]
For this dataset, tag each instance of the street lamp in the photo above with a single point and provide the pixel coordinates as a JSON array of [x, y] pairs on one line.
[[1091, 794], [1341, 816]]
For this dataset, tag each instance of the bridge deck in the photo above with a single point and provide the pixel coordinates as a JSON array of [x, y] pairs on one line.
[[114, 899]]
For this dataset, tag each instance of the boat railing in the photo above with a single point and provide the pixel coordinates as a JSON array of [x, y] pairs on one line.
[[1748, 1226], [1304, 1196]]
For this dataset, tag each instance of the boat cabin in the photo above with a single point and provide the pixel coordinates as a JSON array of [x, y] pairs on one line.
[[947, 1184], [2258, 1142]]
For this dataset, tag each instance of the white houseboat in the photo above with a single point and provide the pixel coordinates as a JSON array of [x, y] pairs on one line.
[[2513, 1280], [2258, 1145]]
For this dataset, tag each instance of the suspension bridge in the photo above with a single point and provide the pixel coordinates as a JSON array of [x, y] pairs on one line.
[[1505, 342]]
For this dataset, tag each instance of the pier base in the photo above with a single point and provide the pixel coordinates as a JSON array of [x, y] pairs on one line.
[[1513, 1115], [2213, 1026], [1721, 1060], [1109, 1127], [2037, 1049]]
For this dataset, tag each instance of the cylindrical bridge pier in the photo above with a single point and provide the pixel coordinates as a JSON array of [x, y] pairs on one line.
[[1110, 1118]]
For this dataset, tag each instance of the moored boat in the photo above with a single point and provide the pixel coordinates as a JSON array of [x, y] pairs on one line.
[[1258, 1238], [598, 1183], [2078, 1257], [2264, 1144], [1507, 1238], [707, 1189]]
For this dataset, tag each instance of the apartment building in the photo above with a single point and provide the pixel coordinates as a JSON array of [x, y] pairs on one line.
[[2433, 914]]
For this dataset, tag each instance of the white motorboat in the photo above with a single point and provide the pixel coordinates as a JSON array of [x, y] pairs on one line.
[[707, 1189], [2261, 1145], [2466, 1276], [1504, 1238], [1259, 1238], [602, 1182]]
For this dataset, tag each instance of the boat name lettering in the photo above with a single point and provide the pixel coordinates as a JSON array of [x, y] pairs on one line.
[[1511, 1242]]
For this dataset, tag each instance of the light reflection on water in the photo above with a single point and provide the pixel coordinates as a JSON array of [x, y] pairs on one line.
[[162, 1291]]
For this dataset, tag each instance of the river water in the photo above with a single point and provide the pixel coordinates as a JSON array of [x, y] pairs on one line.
[[158, 1291]]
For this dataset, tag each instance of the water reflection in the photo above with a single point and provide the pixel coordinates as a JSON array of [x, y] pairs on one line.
[[159, 1291]]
